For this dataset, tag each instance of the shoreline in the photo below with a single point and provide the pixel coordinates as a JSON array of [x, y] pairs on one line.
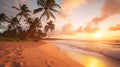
[[90, 59], [34, 54]]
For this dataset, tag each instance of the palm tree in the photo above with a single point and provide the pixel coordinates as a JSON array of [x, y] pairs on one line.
[[14, 22], [47, 6], [23, 11], [3, 18], [12, 27], [49, 26], [34, 23]]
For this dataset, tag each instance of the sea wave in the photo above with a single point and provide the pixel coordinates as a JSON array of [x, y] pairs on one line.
[[107, 48]]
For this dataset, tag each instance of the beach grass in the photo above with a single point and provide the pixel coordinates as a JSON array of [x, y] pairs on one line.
[[15, 39], [3, 38]]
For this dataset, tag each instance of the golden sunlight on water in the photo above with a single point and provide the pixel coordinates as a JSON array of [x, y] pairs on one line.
[[93, 62], [87, 60]]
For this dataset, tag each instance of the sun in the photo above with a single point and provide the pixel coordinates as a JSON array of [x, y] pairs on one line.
[[97, 35]]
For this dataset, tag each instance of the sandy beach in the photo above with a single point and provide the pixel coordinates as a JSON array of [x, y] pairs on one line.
[[33, 54]]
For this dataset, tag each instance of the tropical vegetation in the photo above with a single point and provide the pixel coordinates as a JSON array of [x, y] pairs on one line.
[[46, 8]]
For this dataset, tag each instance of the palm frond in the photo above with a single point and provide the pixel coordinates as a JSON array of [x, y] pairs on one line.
[[19, 14], [28, 11], [37, 10], [41, 2], [20, 6], [51, 14], [57, 5], [43, 14], [50, 2], [46, 13], [26, 15], [44, 2], [54, 10], [16, 8]]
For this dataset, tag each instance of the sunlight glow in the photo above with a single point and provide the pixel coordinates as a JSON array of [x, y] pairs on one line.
[[94, 62], [97, 35]]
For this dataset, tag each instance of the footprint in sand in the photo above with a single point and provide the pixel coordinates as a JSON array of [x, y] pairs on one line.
[[49, 63], [14, 64]]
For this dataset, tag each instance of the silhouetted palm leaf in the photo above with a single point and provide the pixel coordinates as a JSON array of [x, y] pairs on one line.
[[54, 10], [56, 5], [16, 8], [37, 10], [51, 14], [3, 18]]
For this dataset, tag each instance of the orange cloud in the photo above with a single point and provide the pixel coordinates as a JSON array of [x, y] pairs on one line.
[[110, 7], [115, 28], [90, 29], [67, 29], [69, 5]]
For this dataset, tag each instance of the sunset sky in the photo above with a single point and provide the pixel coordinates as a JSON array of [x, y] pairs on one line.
[[81, 19]]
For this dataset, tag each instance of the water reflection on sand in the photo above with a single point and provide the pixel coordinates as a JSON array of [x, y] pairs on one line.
[[93, 62], [89, 60]]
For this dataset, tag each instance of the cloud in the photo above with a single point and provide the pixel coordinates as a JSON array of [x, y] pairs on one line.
[[89, 28], [69, 5], [67, 29], [115, 28], [80, 29], [110, 7]]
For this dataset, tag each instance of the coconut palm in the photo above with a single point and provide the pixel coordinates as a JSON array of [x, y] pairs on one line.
[[14, 22], [34, 24], [32, 21], [47, 7], [49, 26], [23, 11], [13, 26]]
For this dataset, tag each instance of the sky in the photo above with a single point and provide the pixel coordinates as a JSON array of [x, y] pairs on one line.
[[81, 19]]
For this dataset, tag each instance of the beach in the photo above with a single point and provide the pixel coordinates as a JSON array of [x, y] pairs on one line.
[[56, 53], [34, 54]]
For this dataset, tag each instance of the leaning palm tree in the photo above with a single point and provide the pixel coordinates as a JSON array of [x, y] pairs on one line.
[[23, 11], [47, 7]]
